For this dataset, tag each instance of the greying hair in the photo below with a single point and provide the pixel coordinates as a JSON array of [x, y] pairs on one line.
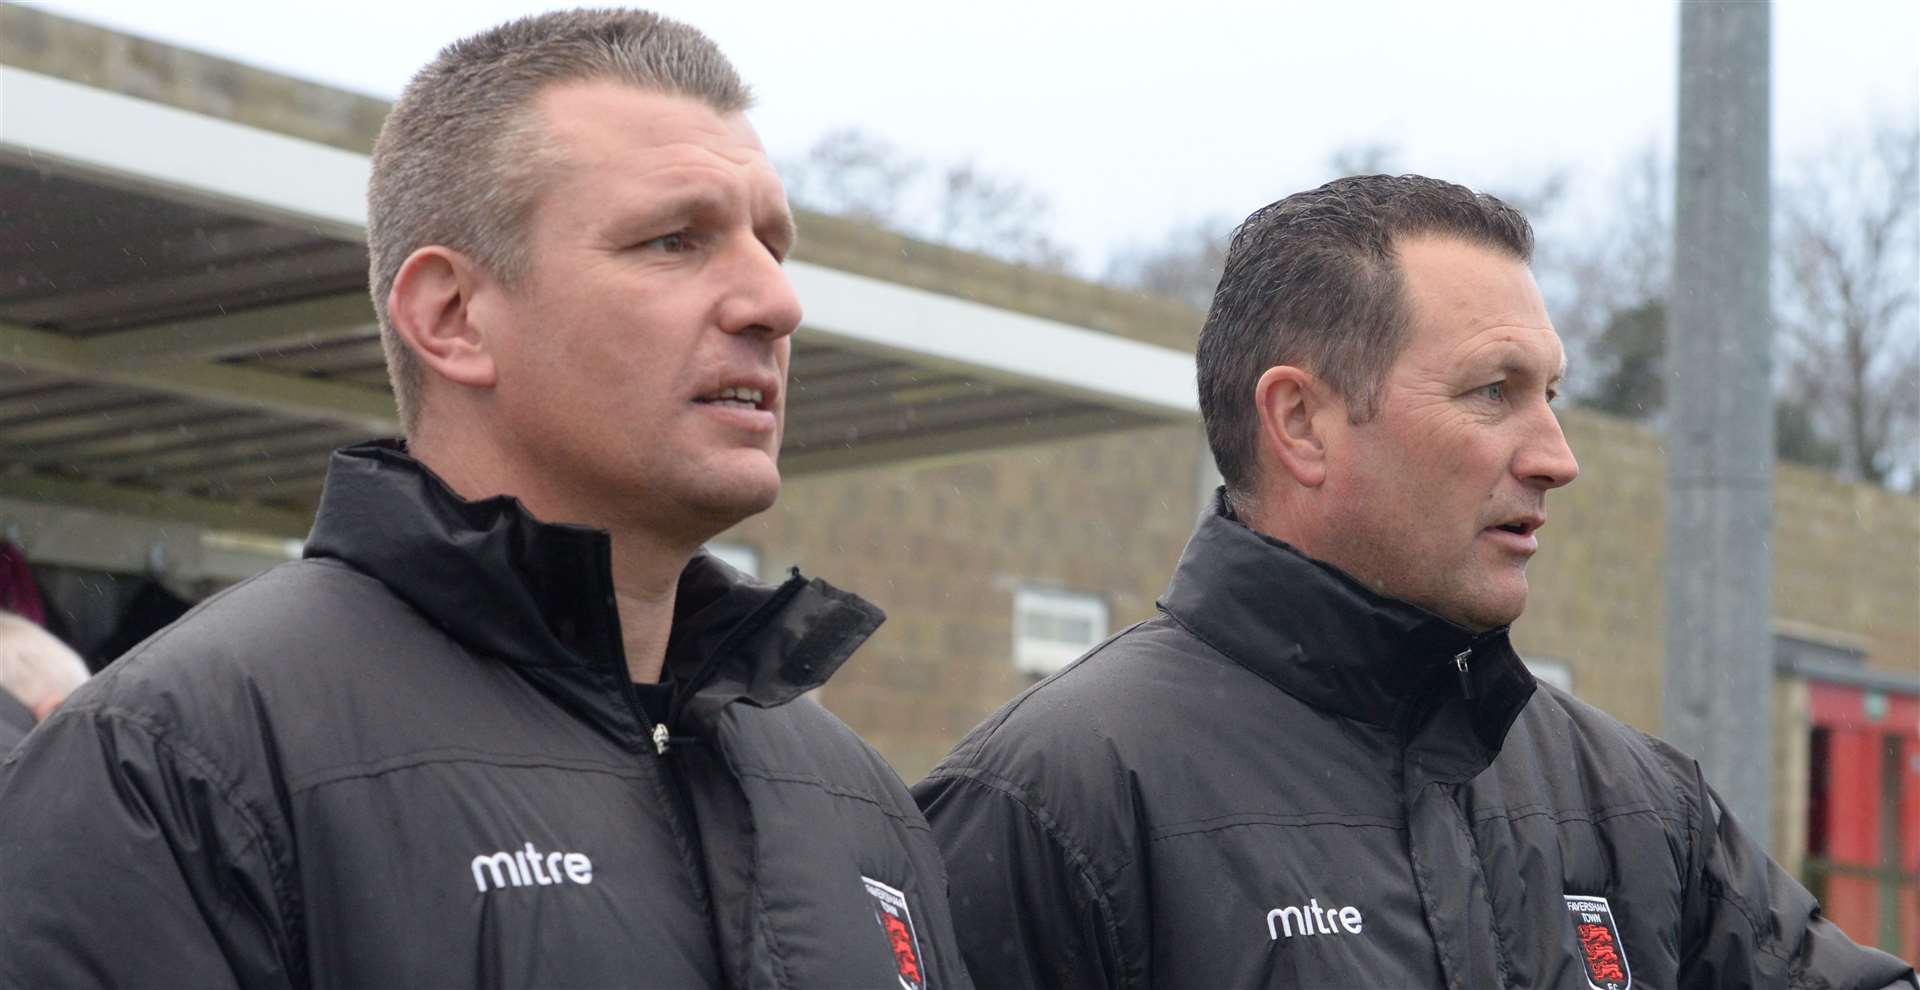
[[461, 158], [35, 667], [1313, 281]]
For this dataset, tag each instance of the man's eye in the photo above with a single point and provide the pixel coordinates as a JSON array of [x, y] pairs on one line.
[[1496, 391], [673, 243]]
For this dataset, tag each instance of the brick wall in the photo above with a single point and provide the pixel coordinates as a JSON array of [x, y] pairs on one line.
[[942, 549], [1847, 559]]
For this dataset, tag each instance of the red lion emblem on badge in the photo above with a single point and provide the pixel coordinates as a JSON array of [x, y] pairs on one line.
[[905, 954], [1603, 957], [896, 922], [1598, 936]]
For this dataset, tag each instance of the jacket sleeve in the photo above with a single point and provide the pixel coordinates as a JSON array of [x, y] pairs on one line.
[[1027, 906], [1745, 922], [128, 859]]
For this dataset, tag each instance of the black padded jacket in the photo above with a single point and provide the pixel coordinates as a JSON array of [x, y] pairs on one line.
[[1286, 780], [414, 758]]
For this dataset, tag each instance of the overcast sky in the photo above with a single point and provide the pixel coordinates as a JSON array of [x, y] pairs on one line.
[[1133, 117]]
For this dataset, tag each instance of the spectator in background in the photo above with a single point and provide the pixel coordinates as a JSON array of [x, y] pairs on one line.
[[37, 672]]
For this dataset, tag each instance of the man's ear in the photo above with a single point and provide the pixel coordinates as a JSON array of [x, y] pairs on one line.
[[431, 308], [1292, 404]]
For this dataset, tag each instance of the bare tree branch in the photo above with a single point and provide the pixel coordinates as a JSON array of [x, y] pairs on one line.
[[1847, 305], [854, 174]]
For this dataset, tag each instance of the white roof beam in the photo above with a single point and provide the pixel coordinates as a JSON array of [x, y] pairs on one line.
[[191, 157], [934, 330]]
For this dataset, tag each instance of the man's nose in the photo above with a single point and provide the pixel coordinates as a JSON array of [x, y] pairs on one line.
[[1547, 461], [758, 297]]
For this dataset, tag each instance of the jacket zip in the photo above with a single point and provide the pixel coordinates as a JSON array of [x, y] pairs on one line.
[[657, 731], [664, 740], [1461, 668], [1466, 676], [663, 737]]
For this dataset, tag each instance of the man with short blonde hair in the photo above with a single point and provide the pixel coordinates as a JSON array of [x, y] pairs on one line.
[[464, 155], [507, 723]]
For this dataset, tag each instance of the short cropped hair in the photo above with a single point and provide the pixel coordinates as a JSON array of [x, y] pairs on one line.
[[1313, 281], [461, 158], [35, 667]]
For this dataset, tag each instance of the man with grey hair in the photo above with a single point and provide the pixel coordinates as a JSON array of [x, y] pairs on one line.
[[507, 724], [37, 672], [1323, 764]]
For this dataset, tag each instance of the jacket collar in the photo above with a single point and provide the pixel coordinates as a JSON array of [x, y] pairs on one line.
[[1318, 634], [539, 596]]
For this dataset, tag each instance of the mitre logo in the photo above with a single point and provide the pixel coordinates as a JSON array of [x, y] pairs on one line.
[[527, 867], [1312, 919], [1599, 941]]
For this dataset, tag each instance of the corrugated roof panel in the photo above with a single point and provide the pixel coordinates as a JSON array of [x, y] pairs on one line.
[[83, 256]]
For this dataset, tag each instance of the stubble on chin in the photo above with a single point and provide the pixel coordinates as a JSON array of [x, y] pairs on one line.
[[1495, 603], [1464, 593]]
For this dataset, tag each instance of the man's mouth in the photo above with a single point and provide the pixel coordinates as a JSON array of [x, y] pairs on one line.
[[736, 397], [1521, 525]]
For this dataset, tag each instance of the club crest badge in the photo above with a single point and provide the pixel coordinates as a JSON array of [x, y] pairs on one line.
[[890, 909], [1599, 941]]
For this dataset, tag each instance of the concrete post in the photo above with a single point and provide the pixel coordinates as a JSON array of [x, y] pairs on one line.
[[1719, 554]]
